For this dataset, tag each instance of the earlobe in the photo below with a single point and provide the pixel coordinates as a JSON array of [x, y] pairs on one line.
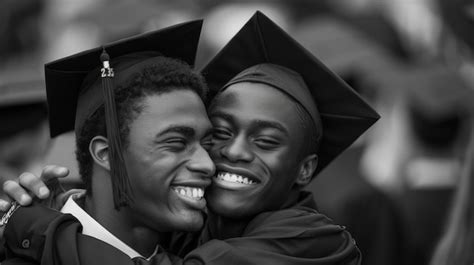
[[307, 169], [99, 150]]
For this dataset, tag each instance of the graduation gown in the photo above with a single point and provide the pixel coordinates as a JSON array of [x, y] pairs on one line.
[[296, 235]]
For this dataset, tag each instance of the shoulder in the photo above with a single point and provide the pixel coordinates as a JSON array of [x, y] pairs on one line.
[[306, 233], [298, 221]]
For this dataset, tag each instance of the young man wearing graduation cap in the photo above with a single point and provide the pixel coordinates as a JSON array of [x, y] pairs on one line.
[[278, 119], [140, 122]]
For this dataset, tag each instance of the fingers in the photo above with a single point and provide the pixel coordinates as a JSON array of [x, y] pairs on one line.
[[34, 184], [4, 205], [15, 191], [53, 172], [28, 182]]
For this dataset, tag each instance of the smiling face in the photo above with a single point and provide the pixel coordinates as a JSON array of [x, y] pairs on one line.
[[167, 166], [257, 142]]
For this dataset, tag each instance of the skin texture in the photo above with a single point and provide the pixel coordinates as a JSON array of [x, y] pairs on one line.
[[164, 152], [258, 135]]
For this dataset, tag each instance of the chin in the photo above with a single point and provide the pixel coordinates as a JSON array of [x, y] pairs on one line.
[[229, 206], [191, 222]]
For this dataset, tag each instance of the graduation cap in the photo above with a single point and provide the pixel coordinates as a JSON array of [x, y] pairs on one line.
[[344, 114], [79, 84], [22, 106]]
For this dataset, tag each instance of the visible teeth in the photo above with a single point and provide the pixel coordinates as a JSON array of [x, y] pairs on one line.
[[234, 178], [192, 192]]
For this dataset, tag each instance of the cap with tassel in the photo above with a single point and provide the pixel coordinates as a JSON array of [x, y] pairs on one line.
[[75, 92]]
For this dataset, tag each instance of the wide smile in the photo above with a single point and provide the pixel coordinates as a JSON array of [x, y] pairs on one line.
[[235, 180], [191, 194], [194, 193]]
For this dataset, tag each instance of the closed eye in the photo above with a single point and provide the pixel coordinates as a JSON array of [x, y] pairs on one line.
[[266, 143], [206, 143], [175, 144], [221, 134]]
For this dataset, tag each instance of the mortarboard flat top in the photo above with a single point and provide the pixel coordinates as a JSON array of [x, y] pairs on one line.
[[65, 77], [345, 116]]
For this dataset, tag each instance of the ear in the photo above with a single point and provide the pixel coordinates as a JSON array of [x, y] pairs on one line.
[[99, 150], [307, 169]]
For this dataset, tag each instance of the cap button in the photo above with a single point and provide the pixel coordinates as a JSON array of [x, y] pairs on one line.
[[25, 243]]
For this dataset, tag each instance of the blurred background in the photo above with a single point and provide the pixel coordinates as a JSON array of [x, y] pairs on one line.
[[411, 59]]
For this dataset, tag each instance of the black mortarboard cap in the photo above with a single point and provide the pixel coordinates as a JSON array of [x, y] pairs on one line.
[[344, 114], [75, 88]]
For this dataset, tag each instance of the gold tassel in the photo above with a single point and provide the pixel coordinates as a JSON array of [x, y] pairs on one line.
[[122, 191]]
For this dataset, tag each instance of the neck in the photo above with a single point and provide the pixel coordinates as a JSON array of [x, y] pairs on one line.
[[222, 228], [121, 223]]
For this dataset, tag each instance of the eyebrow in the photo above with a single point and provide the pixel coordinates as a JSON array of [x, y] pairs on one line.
[[258, 124], [222, 115], [184, 130], [269, 124]]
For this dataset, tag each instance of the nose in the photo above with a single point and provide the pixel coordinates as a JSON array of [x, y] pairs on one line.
[[202, 163], [237, 150]]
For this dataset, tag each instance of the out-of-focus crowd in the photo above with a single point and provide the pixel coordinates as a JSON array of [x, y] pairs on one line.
[[405, 191]]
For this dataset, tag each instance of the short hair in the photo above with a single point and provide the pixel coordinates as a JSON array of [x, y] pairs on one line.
[[163, 76]]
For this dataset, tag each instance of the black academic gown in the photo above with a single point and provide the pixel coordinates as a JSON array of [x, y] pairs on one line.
[[296, 235], [39, 235]]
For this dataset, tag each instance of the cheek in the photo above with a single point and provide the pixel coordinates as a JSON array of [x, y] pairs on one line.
[[150, 173], [279, 162]]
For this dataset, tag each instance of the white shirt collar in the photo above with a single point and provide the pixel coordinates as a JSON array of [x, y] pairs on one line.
[[92, 228]]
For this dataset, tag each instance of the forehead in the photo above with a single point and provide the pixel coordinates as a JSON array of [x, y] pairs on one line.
[[253, 101], [177, 107]]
